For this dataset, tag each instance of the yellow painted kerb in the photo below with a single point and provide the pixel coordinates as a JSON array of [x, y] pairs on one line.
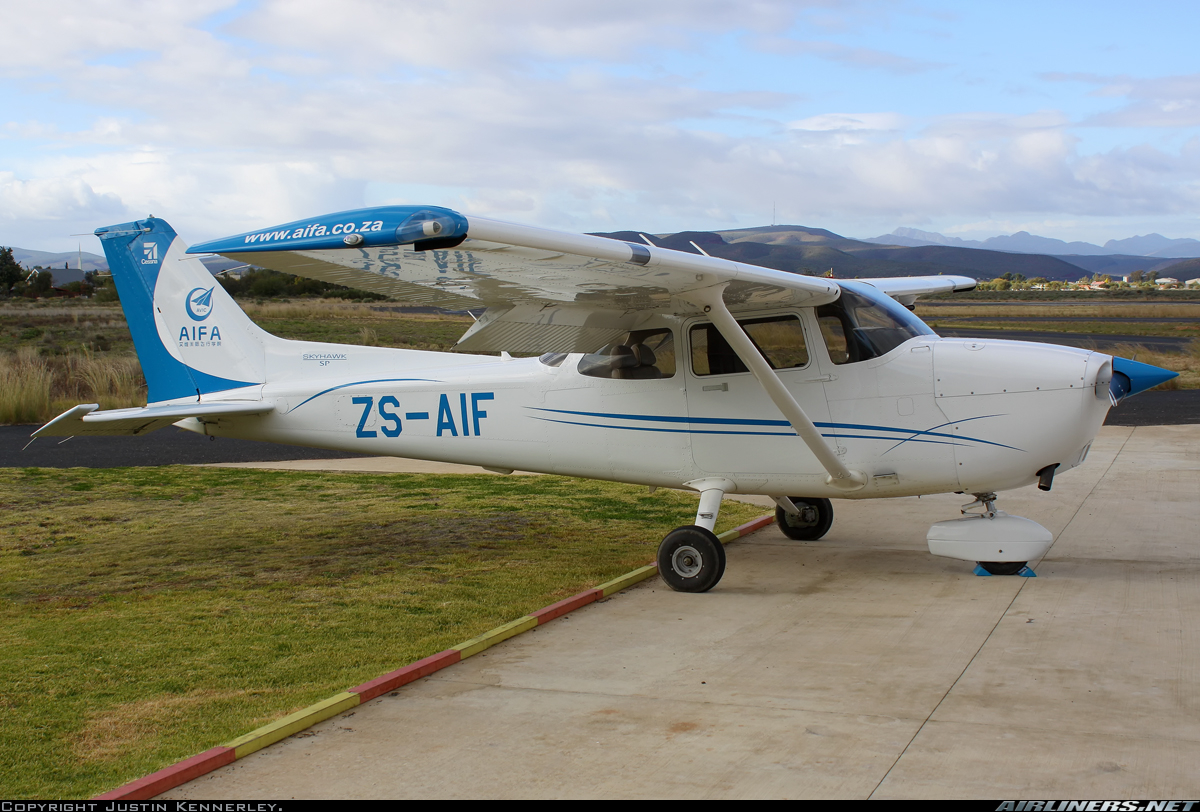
[[628, 579], [496, 635], [301, 719]]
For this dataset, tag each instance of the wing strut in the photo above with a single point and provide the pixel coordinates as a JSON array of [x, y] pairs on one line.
[[713, 302]]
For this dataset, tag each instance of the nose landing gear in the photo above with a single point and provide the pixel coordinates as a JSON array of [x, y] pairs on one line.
[[999, 543]]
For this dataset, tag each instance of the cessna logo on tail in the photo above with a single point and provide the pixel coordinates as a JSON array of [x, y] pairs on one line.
[[199, 303], [149, 253]]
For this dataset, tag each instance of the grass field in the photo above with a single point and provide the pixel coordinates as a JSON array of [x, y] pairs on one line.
[[149, 614]]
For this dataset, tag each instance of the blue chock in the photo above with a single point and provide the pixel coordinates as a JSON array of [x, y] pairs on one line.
[[1024, 572]]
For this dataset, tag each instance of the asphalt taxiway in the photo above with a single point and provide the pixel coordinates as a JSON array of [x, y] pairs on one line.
[[858, 666]]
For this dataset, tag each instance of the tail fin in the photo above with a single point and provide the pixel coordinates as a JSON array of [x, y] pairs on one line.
[[190, 336]]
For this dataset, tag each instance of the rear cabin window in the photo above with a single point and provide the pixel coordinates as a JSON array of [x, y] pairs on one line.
[[865, 323], [780, 339], [640, 355]]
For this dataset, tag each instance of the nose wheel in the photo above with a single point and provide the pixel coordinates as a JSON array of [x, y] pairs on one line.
[[1002, 567], [691, 559]]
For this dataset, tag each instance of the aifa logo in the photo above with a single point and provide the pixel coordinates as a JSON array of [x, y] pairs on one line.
[[149, 253], [199, 303]]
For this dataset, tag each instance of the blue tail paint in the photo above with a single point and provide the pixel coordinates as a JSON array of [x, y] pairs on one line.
[[188, 333]]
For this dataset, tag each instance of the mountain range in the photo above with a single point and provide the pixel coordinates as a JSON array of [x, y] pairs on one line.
[[1150, 245], [802, 249]]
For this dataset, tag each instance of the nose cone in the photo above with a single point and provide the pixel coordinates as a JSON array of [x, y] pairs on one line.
[[1131, 377]]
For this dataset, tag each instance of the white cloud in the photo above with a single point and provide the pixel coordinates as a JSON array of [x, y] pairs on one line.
[[847, 55], [1162, 101], [850, 121], [538, 111], [53, 198]]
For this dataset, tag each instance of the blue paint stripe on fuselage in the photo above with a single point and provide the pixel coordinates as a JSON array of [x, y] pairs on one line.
[[358, 383], [711, 431], [837, 428]]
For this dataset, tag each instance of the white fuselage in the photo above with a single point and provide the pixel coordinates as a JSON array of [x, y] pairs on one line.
[[932, 415]]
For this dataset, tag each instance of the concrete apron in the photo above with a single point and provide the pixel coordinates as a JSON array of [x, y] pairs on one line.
[[858, 666]]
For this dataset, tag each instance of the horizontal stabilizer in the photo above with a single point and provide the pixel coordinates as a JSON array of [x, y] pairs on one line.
[[906, 289], [85, 421]]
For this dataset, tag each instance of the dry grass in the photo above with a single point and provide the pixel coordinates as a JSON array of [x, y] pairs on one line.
[[25, 385], [111, 734], [318, 309], [34, 388], [332, 309], [1187, 364]]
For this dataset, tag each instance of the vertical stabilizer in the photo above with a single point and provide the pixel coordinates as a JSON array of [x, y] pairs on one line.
[[191, 338]]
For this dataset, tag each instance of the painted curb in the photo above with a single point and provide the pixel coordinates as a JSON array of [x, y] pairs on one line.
[[293, 723], [496, 635], [196, 766], [567, 605], [167, 778], [403, 676]]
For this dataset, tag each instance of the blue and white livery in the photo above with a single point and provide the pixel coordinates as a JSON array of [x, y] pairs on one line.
[[659, 367]]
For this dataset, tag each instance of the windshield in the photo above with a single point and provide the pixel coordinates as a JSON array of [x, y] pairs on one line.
[[865, 323]]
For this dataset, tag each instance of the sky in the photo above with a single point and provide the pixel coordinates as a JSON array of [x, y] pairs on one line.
[[1066, 119]]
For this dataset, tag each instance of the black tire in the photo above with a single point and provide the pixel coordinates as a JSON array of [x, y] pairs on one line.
[[814, 521], [1003, 567], [691, 559]]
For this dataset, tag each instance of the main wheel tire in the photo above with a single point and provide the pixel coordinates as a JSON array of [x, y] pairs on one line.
[[691, 559], [814, 521], [1003, 567]]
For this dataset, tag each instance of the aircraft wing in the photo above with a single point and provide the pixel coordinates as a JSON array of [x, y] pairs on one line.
[[542, 289], [85, 420]]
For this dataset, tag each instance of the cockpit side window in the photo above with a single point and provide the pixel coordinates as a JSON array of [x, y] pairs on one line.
[[780, 339], [640, 355], [865, 323]]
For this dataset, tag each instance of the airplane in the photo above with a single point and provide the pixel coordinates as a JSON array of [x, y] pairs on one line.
[[657, 367]]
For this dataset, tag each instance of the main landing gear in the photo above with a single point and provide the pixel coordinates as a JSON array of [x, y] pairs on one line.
[[803, 518], [692, 558]]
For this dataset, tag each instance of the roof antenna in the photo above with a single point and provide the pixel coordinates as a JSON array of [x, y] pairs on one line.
[[698, 248], [647, 240]]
